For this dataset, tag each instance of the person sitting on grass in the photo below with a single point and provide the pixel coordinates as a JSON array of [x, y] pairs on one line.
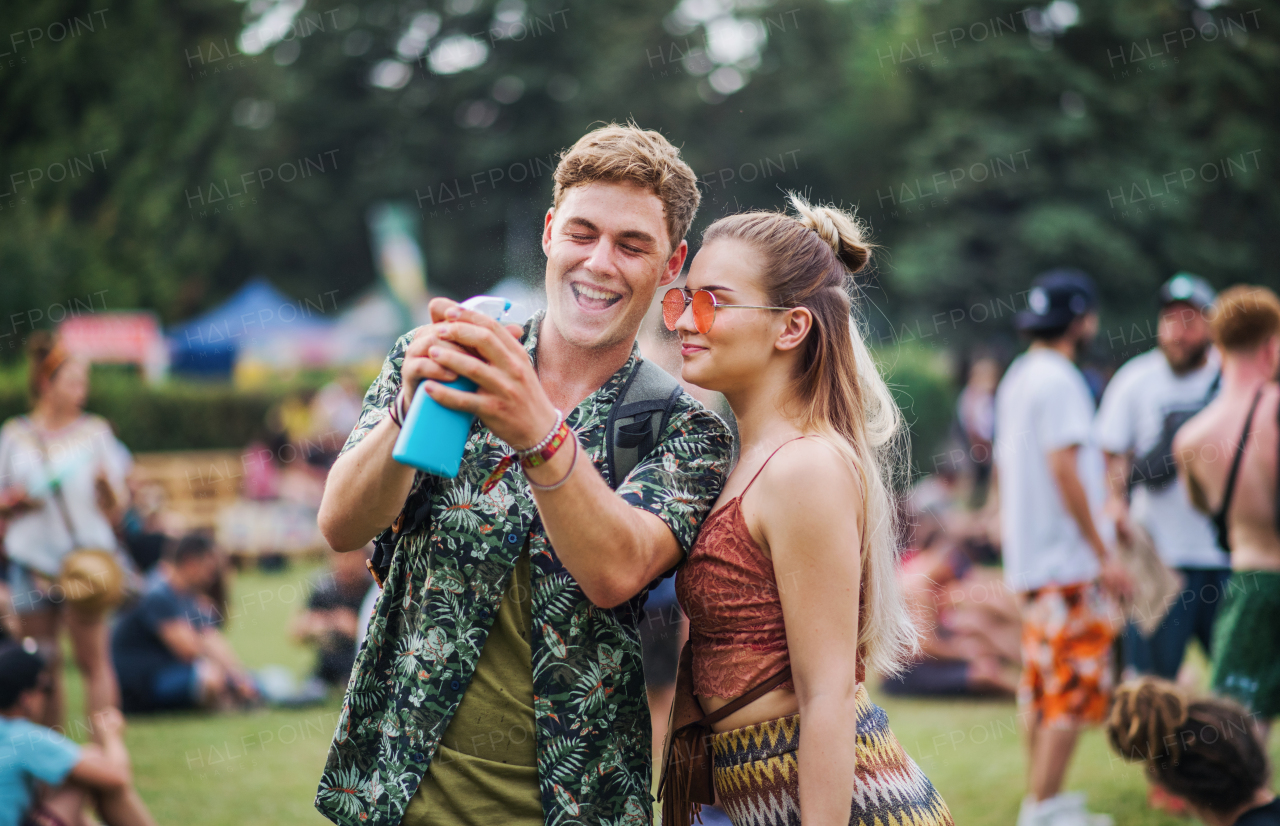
[[46, 779], [332, 618], [1205, 751], [167, 649], [969, 622]]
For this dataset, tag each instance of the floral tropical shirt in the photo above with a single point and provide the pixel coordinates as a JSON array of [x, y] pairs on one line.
[[439, 600]]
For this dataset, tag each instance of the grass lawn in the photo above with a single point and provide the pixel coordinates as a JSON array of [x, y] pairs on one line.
[[262, 768]]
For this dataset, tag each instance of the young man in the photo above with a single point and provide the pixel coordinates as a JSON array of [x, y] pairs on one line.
[[1146, 401], [501, 679], [167, 649], [1228, 454], [1050, 479], [46, 779]]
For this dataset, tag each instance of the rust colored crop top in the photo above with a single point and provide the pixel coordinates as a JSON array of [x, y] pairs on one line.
[[728, 590]]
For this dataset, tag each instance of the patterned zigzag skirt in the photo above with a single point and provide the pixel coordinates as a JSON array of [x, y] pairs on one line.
[[758, 782]]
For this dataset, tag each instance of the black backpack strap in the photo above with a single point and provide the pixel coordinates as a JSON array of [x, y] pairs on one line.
[[1229, 492], [638, 418]]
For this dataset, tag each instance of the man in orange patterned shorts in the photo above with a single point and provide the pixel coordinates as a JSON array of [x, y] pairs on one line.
[[1051, 488]]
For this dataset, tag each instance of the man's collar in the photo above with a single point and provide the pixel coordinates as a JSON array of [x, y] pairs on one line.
[[532, 329]]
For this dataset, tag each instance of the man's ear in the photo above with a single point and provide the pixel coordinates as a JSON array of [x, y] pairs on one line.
[[546, 230], [799, 325], [675, 263]]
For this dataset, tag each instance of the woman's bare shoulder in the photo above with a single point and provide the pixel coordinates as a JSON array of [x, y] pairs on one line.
[[810, 468]]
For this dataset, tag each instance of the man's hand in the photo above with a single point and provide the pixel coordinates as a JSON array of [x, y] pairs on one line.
[[418, 365], [510, 400], [1115, 579]]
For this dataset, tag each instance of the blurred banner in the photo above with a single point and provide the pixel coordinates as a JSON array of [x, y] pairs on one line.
[[399, 258], [119, 338]]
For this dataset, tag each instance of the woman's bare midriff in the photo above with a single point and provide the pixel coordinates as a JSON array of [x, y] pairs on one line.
[[781, 702]]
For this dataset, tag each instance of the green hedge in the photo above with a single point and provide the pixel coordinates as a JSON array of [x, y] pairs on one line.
[[182, 415]]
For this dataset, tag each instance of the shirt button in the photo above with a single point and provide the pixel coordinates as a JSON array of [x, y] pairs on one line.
[[484, 613], [454, 684], [512, 539], [418, 757]]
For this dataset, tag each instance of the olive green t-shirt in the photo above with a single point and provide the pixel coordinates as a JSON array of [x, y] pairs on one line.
[[486, 769]]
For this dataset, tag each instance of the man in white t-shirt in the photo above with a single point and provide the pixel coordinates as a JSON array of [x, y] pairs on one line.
[[1051, 487], [1148, 398]]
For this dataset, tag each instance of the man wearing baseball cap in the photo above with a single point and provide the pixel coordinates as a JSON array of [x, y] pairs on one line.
[[1146, 402], [1051, 491]]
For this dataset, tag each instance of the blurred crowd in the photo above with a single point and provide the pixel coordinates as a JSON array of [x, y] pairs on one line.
[[1061, 550], [95, 556], [1082, 531]]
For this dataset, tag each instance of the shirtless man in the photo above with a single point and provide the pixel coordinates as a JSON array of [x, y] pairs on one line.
[[1246, 640]]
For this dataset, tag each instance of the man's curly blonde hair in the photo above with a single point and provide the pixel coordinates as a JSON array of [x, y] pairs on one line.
[[629, 154]]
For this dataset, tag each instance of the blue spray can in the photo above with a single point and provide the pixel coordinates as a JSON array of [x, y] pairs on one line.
[[434, 437]]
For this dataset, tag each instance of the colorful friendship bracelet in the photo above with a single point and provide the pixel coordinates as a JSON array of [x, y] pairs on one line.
[[534, 456], [542, 454], [573, 463], [521, 453]]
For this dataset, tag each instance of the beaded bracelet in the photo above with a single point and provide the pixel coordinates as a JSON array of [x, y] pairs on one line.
[[543, 453], [573, 463], [546, 440]]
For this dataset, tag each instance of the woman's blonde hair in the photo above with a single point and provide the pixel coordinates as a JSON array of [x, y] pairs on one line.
[[809, 260]]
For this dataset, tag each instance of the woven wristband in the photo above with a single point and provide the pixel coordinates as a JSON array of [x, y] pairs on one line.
[[573, 463], [546, 440], [540, 456], [522, 456]]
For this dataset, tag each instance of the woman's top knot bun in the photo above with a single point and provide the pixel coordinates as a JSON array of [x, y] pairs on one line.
[[841, 230]]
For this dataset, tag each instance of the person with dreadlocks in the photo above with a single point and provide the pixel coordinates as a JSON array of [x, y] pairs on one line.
[[1205, 751]]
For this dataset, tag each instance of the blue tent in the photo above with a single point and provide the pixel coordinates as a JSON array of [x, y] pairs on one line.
[[207, 345]]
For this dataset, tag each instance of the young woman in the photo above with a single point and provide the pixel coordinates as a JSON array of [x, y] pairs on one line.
[[1204, 751], [795, 565], [59, 444]]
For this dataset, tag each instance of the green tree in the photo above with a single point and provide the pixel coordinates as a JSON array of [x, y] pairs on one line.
[[102, 129], [1132, 139]]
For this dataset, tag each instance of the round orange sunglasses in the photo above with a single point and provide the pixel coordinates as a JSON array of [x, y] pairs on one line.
[[704, 308]]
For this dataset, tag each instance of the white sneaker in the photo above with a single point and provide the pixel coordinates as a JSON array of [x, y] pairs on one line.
[[1026, 811], [1077, 800], [1066, 810]]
